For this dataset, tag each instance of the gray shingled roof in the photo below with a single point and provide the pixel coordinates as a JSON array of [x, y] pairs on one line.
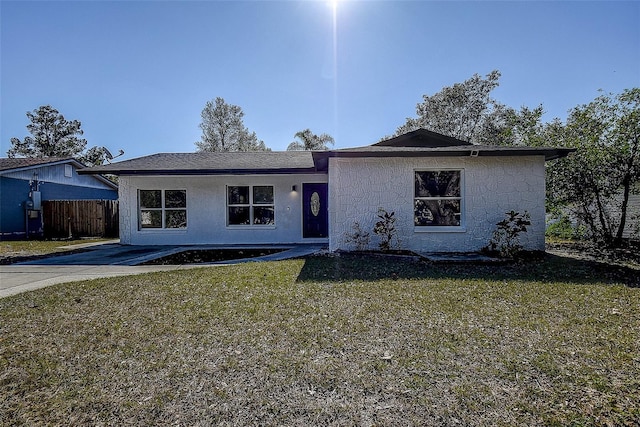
[[254, 162], [457, 150], [418, 143], [422, 138], [321, 158]]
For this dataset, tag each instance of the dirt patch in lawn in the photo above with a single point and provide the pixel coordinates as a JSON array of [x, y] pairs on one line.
[[203, 256]]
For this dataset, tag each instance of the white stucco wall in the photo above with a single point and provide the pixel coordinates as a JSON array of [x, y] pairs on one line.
[[491, 186], [206, 210]]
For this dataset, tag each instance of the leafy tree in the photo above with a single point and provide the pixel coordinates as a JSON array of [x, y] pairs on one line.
[[223, 129], [94, 156], [308, 141], [52, 136], [465, 111], [596, 181], [522, 127]]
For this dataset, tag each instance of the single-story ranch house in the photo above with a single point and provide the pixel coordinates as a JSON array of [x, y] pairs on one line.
[[447, 194]]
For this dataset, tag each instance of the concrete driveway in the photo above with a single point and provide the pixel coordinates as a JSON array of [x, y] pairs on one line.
[[113, 259]]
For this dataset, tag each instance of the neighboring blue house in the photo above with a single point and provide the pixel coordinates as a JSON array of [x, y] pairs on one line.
[[26, 182]]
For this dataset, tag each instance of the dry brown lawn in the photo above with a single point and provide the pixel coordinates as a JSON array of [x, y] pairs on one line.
[[329, 341], [20, 250]]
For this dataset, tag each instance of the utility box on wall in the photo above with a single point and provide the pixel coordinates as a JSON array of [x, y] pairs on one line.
[[36, 197], [33, 218]]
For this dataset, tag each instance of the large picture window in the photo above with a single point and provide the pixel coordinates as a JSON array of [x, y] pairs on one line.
[[250, 205], [163, 208], [437, 198]]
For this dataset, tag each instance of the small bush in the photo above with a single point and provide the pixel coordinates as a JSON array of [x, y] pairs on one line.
[[562, 228], [506, 237], [386, 229], [358, 237]]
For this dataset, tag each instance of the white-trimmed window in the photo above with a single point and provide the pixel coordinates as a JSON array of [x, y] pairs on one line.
[[437, 198], [162, 209], [250, 205]]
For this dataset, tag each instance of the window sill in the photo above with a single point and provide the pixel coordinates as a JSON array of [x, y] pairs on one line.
[[437, 229], [251, 227], [162, 230]]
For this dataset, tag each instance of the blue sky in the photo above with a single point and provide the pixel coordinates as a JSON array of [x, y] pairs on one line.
[[138, 74]]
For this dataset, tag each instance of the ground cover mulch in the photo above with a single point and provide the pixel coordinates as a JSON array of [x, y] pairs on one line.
[[203, 256]]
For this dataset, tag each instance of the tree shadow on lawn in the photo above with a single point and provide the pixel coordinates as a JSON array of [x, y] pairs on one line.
[[544, 268]]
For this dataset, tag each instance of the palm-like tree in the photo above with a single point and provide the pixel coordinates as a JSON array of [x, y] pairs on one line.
[[308, 141]]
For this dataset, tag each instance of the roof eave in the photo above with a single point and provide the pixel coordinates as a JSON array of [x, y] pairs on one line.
[[558, 153], [173, 172], [472, 151], [44, 164], [79, 167]]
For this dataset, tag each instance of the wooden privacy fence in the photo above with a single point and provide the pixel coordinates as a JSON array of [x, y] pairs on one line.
[[80, 218]]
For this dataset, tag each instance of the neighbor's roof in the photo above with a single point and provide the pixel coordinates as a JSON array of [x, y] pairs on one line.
[[18, 163], [9, 166], [215, 163], [418, 143]]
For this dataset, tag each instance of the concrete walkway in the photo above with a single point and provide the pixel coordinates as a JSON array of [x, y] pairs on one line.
[[113, 259]]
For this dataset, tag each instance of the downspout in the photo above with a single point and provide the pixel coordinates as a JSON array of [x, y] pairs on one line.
[[26, 220]]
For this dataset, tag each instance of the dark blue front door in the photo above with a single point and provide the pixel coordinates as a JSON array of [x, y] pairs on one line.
[[314, 210]]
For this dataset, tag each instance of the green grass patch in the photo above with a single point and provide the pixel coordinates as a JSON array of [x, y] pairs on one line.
[[331, 340], [13, 251]]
